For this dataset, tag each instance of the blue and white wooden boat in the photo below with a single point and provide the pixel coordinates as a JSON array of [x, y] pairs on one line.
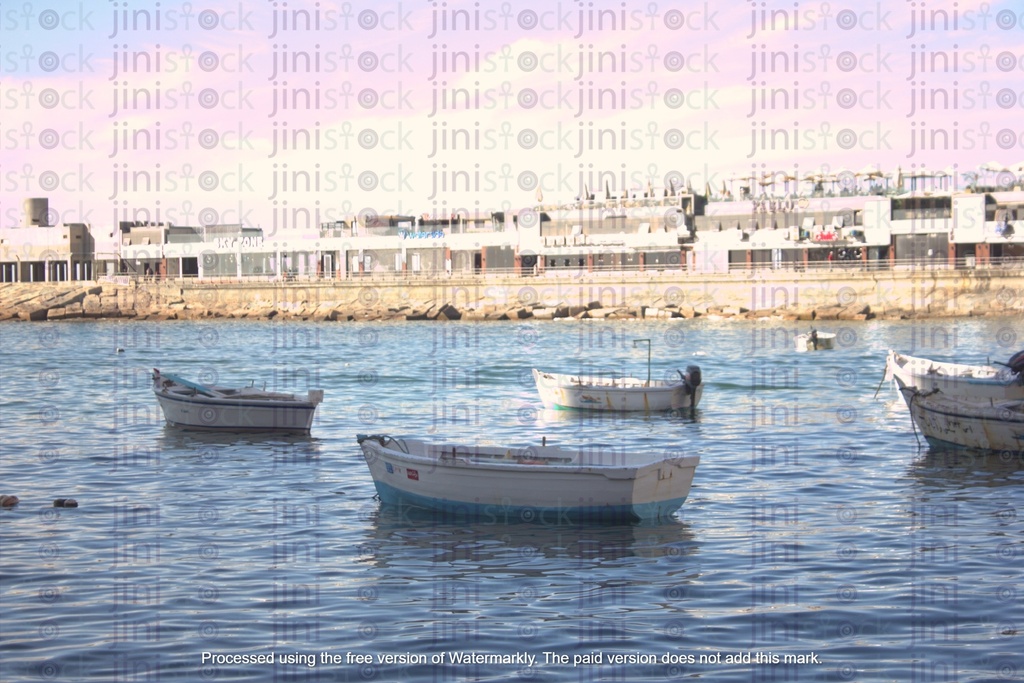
[[205, 406], [981, 424], [545, 484]]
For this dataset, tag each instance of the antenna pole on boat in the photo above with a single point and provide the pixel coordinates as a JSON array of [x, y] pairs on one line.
[[648, 341]]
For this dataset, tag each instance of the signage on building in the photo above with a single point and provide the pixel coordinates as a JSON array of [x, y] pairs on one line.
[[232, 242], [409, 234]]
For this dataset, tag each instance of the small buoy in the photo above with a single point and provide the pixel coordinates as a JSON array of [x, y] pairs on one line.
[[65, 503], [8, 501]]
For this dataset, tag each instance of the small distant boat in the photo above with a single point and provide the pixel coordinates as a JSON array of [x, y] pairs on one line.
[[815, 341], [983, 424], [958, 380], [203, 406], [527, 484]]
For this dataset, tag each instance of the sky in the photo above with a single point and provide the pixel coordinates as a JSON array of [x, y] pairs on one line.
[[284, 115]]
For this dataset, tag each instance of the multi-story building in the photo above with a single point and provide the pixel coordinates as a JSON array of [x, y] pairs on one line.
[[661, 230], [38, 251]]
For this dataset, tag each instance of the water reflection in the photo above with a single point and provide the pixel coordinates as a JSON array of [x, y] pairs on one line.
[[571, 428], [397, 536], [272, 445], [179, 437], [963, 468], [586, 419]]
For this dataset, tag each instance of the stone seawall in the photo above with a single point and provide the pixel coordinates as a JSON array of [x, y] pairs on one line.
[[755, 294]]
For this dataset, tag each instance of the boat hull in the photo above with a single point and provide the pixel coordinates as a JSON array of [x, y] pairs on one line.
[[979, 425], [572, 392], [210, 414], [972, 382], [500, 492]]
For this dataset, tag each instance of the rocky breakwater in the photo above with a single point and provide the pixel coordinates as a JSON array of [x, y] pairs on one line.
[[854, 300], [38, 301]]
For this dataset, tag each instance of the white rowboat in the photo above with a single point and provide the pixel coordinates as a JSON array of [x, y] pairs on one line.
[[958, 380], [623, 394], [202, 406], [546, 484]]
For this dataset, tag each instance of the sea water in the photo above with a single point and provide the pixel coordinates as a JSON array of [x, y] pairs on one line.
[[820, 540]]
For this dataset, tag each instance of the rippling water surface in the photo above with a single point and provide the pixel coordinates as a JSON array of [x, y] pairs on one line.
[[817, 527]]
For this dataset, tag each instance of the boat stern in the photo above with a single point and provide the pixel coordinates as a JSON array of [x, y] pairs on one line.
[[662, 487]]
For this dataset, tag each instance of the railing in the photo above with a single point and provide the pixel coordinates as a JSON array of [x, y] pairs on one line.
[[838, 268], [1006, 263]]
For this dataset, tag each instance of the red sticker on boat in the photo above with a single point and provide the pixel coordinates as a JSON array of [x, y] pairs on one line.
[[413, 474]]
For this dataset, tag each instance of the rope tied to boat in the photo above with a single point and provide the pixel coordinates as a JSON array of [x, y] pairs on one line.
[[881, 381], [913, 422], [910, 405]]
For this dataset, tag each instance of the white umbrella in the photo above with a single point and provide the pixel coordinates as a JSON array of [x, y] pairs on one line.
[[786, 179], [870, 172], [846, 178], [741, 178], [814, 179]]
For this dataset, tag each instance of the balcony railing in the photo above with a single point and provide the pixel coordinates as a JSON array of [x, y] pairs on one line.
[[839, 268]]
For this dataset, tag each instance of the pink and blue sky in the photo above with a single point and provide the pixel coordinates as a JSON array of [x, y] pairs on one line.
[[282, 114]]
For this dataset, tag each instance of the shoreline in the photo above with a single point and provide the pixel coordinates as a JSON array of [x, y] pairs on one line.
[[611, 296]]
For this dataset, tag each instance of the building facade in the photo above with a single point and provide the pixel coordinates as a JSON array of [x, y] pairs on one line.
[[661, 230]]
